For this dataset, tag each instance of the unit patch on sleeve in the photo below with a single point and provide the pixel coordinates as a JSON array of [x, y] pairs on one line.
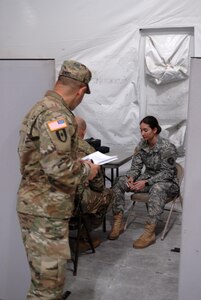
[[61, 135], [171, 161], [57, 124]]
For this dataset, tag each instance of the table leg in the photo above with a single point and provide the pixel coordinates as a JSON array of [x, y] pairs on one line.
[[112, 176], [117, 172]]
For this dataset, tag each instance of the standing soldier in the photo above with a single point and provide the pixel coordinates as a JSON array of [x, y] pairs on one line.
[[158, 156], [51, 172]]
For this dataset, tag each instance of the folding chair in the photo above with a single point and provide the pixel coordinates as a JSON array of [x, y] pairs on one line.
[[144, 197], [77, 222]]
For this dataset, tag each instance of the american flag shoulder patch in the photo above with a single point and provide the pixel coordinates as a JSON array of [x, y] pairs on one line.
[[57, 124]]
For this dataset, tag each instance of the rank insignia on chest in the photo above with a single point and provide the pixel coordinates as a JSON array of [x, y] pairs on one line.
[[57, 124]]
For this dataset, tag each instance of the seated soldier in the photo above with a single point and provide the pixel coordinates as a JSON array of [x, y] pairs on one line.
[[153, 171], [95, 198]]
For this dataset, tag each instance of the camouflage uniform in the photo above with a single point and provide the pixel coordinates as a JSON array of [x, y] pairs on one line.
[[50, 172], [160, 171], [96, 199]]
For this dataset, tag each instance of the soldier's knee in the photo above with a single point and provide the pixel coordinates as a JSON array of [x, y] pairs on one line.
[[120, 184]]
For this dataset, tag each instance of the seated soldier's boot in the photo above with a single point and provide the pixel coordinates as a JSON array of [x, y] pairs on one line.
[[147, 238], [84, 244], [117, 227]]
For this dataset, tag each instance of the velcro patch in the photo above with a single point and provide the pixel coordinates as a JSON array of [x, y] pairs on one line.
[[57, 124]]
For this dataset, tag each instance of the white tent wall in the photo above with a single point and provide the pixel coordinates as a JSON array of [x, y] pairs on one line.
[[104, 35]]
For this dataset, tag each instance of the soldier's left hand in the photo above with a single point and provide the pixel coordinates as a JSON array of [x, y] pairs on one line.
[[138, 185]]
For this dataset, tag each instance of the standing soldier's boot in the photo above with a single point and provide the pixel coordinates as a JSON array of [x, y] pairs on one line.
[[117, 227], [147, 238]]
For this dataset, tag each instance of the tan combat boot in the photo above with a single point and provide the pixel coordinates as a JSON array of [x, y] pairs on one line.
[[117, 227], [85, 246], [147, 238]]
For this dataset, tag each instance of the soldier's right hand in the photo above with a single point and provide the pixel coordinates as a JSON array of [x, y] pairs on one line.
[[130, 182], [94, 169]]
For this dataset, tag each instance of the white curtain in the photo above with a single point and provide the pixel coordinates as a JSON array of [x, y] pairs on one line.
[[167, 58]]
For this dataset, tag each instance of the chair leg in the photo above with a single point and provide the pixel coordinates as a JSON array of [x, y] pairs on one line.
[[168, 220], [129, 214], [81, 222], [104, 224], [75, 260], [88, 234]]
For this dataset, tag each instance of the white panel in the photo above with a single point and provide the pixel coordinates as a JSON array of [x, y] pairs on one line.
[[22, 83], [190, 264], [167, 100]]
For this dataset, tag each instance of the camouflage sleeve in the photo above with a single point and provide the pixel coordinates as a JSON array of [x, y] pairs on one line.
[[57, 147], [168, 165], [136, 164], [97, 183], [84, 148]]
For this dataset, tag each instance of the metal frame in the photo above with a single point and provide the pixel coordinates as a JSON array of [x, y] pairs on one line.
[[144, 197]]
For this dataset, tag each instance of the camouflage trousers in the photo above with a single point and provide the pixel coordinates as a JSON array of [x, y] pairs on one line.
[[95, 205], [47, 248], [158, 195]]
